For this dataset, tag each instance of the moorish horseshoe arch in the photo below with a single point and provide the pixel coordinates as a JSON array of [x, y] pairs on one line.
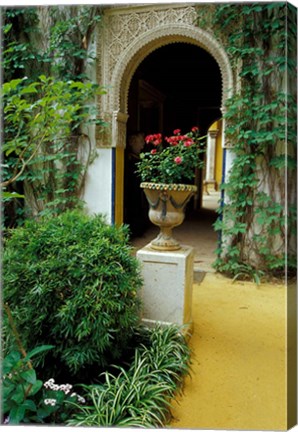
[[144, 45]]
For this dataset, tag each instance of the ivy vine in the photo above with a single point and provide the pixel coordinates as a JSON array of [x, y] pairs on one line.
[[47, 50], [257, 222]]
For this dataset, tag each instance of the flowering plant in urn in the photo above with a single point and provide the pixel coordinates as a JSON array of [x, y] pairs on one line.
[[175, 160], [166, 171]]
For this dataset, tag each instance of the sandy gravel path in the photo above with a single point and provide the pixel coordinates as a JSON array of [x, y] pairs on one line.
[[239, 358]]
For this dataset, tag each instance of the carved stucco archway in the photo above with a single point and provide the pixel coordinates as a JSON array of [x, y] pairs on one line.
[[139, 49], [157, 38], [126, 37]]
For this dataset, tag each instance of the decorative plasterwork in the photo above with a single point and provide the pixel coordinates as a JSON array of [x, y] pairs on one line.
[[128, 36], [213, 133], [119, 128], [122, 28]]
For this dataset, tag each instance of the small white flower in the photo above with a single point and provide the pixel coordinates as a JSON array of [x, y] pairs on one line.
[[68, 387], [49, 383], [81, 399], [50, 402], [55, 387], [73, 395], [62, 387]]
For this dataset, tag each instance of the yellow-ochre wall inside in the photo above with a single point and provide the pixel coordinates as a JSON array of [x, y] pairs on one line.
[[119, 186], [219, 151]]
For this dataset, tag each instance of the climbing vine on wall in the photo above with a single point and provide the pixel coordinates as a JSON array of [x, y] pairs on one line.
[[257, 223], [46, 55]]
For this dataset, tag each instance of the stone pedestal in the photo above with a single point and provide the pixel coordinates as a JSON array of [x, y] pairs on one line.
[[167, 288]]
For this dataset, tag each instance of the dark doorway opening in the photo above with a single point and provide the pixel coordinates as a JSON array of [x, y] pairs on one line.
[[177, 86], [189, 80]]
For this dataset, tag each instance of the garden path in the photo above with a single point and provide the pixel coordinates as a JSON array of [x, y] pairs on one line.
[[238, 378]]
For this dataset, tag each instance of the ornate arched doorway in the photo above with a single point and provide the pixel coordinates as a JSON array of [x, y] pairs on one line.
[[177, 86], [128, 37]]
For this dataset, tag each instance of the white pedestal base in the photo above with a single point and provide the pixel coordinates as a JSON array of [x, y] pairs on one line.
[[167, 288]]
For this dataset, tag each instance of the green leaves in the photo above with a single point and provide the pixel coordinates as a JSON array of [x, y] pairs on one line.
[[38, 350], [11, 361], [81, 289], [45, 110], [160, 165], [29, 376], [27, 400], [40, 118], [140, 395], [20, 384], [66, 47], [253, 221]]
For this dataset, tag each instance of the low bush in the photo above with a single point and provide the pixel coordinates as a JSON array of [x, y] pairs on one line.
[[141, 395], [26, 399], [72, 282]]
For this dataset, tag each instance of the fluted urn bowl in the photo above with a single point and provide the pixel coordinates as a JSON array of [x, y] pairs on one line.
[[166, 210]]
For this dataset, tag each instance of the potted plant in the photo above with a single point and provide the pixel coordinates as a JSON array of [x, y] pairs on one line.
[[167, 170]]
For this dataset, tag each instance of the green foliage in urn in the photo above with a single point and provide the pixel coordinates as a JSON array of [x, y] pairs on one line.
[[72, 281], [174, 161]]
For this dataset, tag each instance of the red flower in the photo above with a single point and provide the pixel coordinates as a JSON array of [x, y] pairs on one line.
[[195, 129], [176, 131], [173, 140], [178, 160], [148, 139], [153, 151], [155, 139], [188, 142]]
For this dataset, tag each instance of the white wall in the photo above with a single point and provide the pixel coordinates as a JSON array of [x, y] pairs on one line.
[[98, 187], [230, 156]]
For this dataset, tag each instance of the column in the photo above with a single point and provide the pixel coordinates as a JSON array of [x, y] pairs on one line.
[[210, 181]]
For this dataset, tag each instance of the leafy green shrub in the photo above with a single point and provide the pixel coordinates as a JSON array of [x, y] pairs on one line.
[[27, 399], [42, 138], [139, 396], [20, 384], [48, 104], [72, 282]]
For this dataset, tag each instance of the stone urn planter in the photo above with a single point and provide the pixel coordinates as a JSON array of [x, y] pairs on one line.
[[166, 210]]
